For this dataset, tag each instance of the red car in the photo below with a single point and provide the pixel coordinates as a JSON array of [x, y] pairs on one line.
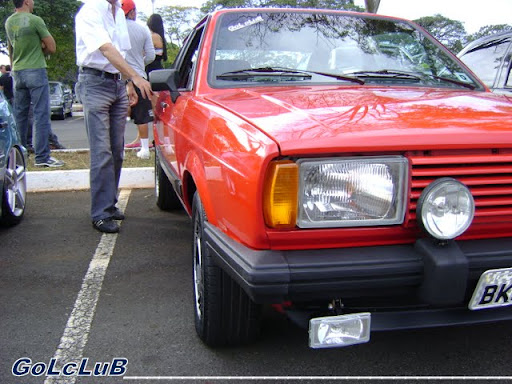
[[344, 167]]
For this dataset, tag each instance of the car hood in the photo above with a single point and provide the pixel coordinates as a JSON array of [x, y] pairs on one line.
[[319, 120]]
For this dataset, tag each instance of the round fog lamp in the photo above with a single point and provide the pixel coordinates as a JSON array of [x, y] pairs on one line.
[[445, 208]]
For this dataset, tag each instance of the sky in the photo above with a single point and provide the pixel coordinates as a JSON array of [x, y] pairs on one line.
[[473, 13]]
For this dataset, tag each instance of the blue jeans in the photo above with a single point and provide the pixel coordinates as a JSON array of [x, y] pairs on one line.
[[31, 86], [105, 106]]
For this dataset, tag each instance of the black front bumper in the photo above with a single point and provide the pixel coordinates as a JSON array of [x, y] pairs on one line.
[[440, 276]]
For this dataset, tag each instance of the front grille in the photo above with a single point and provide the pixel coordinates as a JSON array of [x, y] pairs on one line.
[[487, 173]]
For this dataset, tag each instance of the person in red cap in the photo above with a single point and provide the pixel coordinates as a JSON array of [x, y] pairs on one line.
[[141, 53], [128, 6]]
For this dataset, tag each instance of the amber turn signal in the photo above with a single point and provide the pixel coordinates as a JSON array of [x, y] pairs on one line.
[[281, 194]]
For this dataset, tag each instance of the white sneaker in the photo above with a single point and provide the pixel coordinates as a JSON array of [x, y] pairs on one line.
[[143, 154]]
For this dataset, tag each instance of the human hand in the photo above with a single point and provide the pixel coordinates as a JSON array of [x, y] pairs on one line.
[[143, 85], [133, 98]]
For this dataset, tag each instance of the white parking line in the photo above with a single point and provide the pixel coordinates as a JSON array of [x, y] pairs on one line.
[[76, 333]]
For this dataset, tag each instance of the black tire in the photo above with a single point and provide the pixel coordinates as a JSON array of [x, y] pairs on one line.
[[62, 114], [166, 198], [14, 191], [224, 313]]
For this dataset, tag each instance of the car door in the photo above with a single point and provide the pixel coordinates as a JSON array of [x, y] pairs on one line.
[[169, 125]]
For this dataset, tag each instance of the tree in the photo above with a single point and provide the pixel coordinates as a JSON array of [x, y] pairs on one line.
[[449, 32], [59, 16], [178, 22], [489, 30]]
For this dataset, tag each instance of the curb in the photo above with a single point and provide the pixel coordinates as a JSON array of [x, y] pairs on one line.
[[78, 179]]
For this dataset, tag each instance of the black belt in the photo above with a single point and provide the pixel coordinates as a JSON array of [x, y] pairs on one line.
[[97, 72]]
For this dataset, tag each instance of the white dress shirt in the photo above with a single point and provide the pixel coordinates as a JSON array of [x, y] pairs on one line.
[[95, 26]]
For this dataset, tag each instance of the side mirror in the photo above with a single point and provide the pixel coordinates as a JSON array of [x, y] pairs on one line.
[[165, 80]]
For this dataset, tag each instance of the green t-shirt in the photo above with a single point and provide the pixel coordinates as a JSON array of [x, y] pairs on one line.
[[25, 31]]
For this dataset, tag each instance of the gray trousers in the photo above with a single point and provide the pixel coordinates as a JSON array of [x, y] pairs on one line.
[[105, 105]]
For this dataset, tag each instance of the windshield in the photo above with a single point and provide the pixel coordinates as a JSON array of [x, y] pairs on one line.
[[55, 89], [373, 49]]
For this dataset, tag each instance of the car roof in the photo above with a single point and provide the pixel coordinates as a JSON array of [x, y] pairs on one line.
[[484, 41]]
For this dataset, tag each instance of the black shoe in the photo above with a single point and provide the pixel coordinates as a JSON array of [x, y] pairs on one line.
[[118, 215], [106, 225], [56, 146]]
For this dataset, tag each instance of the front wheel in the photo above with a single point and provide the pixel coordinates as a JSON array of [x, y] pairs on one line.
[[62, 113], [224, 314], [14, 189]]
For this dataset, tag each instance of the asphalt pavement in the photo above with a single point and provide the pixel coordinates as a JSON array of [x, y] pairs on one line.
[[55, 302]]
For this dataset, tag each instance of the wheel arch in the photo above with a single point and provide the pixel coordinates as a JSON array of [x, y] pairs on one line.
[[194, 179]]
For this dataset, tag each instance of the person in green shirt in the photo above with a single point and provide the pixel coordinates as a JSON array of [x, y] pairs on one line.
[[28, 42]]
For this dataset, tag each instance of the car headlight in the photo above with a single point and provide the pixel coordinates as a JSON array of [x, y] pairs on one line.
[[351, 192], [445, 208]]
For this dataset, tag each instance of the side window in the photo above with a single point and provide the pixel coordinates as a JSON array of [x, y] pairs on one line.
[[188, 60], [509, 77]]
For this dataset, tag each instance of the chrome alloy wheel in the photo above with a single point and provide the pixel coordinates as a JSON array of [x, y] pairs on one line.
[[15, 182]]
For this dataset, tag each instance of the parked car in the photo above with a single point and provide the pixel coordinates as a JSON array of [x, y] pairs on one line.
[[345, 168], [61, 99], [490, 58], [13, 181]]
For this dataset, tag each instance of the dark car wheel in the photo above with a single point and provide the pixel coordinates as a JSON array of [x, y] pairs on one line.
[[15, 189], [61, 115], [166, 198], [224, 313]]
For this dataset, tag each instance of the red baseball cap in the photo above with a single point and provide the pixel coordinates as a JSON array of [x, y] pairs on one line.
[[127, 6]]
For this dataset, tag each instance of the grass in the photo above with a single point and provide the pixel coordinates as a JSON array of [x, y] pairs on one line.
[[80, 160]]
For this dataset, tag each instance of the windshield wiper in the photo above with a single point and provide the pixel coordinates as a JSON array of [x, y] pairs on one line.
[[243, 74], [456, 82], [384, 73], [410, 75]]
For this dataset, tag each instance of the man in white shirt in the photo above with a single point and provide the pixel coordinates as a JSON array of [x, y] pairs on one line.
[[141, 54], [101, 43]]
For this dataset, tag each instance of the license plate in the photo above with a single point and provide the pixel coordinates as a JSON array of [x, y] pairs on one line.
[[494, 289]]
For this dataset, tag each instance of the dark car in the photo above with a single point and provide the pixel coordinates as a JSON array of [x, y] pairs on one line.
[[13, 181], [61, 99], [490, 58]]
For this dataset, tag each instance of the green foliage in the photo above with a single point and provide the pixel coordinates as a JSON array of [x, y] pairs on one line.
[[59, 16], [449, 32], [178, 22], [172, 52], [6, 10]]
